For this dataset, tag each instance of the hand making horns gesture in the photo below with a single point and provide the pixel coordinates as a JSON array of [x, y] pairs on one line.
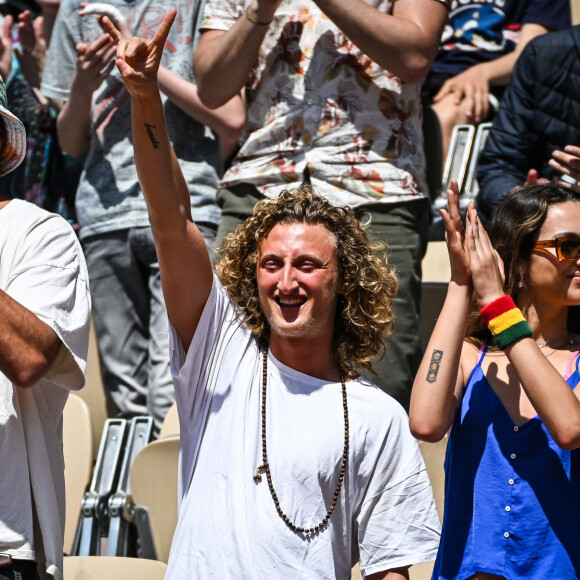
[[138, 59]]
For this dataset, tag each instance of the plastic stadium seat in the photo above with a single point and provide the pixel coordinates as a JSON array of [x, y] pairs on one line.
[[154, 486], [78, 461], [170, 423], [112, 568]]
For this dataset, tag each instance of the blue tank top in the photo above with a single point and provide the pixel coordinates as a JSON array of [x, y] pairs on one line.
[[512, 496]]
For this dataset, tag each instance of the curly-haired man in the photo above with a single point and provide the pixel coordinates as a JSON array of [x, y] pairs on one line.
[[333, 95], [292, 465]]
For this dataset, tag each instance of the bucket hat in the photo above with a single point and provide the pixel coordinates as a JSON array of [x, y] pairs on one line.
[[13, 146]]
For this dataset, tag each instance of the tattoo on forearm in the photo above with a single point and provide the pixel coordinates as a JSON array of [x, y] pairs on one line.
[[434, 365], [149, 128]]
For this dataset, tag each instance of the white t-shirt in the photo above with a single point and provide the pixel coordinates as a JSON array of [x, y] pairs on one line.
[[43, 268], [228, 526]]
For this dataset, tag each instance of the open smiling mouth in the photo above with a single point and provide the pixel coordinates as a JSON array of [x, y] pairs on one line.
[[287, 302]]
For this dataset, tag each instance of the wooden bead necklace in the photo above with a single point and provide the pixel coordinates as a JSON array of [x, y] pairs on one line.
[[266, 467]]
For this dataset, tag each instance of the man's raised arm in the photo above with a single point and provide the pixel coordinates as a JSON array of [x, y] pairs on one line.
[[404, 43], [186, 272], [223, 60]]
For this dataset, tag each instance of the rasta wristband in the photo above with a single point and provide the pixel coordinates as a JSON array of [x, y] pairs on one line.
[[506, 321]]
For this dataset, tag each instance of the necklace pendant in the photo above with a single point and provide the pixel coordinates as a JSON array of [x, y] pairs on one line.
[[257, 476]]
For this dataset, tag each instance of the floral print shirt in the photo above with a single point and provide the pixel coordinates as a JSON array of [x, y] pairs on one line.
[[319, 106]]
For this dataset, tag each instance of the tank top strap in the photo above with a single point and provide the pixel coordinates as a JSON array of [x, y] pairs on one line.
[[570, 362], [482, 351]]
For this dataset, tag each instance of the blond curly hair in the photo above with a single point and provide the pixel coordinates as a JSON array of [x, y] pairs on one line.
[[364, 316]]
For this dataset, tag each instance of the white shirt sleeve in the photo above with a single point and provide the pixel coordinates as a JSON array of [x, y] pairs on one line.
[[221, 14], [48, 277], [398, 524]]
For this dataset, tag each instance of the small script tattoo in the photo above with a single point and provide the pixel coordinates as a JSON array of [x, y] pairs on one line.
[[149, 129], [434, 365]]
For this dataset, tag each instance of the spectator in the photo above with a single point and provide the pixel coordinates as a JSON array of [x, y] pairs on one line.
[[333, 101], [47, 178], [299, 277], [95, 119], [536, 133], [480, 45], [503, 376], [44, 334]]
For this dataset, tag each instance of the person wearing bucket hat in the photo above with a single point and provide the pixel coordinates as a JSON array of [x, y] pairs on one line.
[[47, 177], [13, 146], [44, 330]]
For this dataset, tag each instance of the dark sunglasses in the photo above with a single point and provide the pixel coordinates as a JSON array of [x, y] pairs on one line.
[[566, 248]]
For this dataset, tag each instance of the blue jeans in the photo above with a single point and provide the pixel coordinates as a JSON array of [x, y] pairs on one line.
[[404, 226], [131, 322], [20, 570]]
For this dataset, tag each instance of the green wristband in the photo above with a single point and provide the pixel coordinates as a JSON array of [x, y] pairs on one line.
[[512, 334]]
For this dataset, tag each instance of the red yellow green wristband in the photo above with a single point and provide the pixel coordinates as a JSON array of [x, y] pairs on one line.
[[506, 321]]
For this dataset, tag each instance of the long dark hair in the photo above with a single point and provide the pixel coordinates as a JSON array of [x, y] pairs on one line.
[[513, 231]]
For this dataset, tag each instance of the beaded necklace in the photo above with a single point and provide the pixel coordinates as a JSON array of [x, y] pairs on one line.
[[266, 467]]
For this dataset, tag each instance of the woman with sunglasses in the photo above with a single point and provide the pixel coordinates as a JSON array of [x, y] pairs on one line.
[[500, 371]]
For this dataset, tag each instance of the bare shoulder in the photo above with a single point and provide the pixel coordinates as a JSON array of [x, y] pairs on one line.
[[470, 353]]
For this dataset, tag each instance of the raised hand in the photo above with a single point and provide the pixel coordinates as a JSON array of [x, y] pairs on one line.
[[6, 47], [138, 59], [94, 63], [455, 237], [30, 32], [568, 163], [487, 273], [33, 47]]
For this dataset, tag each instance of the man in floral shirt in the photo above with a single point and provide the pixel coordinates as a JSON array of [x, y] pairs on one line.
[[333, 92]]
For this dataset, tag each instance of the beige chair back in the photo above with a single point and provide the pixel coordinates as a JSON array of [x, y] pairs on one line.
[[575, 9], [112, 568], [170, 424], [154, 486], [434, 457], [78, 461], [94, 393]]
